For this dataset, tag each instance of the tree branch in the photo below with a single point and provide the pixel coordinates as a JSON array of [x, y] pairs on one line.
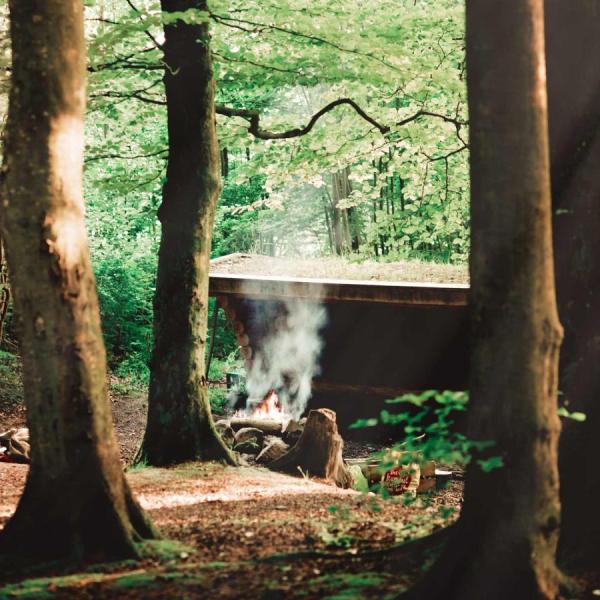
[[141, 18], [446, 156], [125, 157], [253, 117], [259, 65], [125, 62], [425, 113], [134, 95]]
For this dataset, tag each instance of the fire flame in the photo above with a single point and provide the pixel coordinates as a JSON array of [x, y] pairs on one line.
[[269, 407]]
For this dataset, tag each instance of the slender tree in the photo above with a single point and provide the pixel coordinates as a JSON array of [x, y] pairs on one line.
[[504, 544], [572, 42], [4, 291], [180, 425], [76, 501]]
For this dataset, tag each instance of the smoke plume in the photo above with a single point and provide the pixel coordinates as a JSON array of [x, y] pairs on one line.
[[288, 356]]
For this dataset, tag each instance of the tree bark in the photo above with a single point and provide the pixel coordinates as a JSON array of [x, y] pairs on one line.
[[504, 545], [344, 233], [76, 502], [180, 426], [4, 291], [572, 50]]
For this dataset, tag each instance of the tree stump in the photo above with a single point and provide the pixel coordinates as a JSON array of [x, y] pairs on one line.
[[318, 452]]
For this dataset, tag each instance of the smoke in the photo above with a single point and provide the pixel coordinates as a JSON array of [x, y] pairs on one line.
[[287, 358]]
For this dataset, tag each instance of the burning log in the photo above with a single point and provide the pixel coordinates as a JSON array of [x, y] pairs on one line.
[[318, 452]]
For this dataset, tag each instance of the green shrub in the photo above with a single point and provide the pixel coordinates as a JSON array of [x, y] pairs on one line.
[[428, 422], [125, 291]]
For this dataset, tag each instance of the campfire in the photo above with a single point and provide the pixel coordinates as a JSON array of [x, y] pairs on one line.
[[264, 433], [269, 407]]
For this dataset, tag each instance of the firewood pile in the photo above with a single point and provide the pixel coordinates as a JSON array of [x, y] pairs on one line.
[[311, 446]]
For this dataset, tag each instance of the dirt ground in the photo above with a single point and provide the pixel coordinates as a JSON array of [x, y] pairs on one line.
[[340, 268], [251, 533], [129, 407]]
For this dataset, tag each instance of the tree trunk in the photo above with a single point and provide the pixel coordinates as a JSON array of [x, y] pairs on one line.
[[4, 291], [573, 48], [75, 481], [180, 426], [343, 235], [505, 542]]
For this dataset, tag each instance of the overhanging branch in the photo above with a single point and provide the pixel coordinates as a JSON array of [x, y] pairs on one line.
[[253, 117]]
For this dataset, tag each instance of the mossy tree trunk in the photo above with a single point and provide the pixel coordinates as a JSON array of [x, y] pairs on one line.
[[180, 426], [573, 51], [76, 502], [505, 541]]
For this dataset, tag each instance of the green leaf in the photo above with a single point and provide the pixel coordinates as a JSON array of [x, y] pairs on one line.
[[489, 464], [575, 416]]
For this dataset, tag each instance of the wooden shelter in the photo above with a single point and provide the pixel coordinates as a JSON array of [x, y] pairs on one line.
[[382, 338]]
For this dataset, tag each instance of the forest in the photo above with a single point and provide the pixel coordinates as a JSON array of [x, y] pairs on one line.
[[298, 299]]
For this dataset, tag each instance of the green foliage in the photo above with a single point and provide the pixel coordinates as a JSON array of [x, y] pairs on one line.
[[218, 400], [225, 350], [575, 416], [287, 60], [125, 290], [236, 221], [429, 434]]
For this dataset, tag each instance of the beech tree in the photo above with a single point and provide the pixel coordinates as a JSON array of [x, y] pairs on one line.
[[180, 425], [572, 39], [76, 501], [504, 543]]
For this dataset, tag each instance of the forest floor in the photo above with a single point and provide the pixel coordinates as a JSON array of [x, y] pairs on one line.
[[241, 532], [247, 532], [251, 533]]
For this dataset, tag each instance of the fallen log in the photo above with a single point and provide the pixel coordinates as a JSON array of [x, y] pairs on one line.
[[268, 426], [249, 433], [318, 452], [273, 448]]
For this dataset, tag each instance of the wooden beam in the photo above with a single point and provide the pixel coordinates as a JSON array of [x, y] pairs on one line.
[[334, 290]]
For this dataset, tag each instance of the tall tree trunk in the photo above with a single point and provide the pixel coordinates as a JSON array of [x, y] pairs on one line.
[[180, 426], [344, 219], [504, 544], [4, 290], [76, 500], [337, 217], [573, 51]]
